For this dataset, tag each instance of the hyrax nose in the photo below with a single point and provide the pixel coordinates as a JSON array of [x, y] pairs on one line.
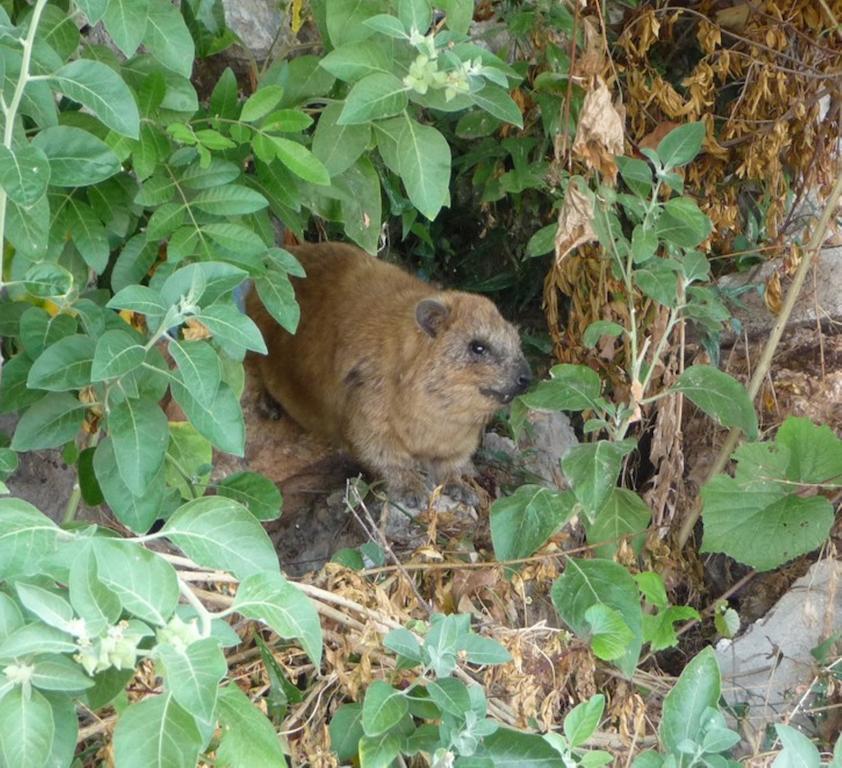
[[524, 377]]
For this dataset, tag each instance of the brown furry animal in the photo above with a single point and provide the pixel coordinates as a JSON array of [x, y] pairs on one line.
[[403, 376]]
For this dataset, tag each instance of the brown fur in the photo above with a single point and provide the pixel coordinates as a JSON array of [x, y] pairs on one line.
[[382, 366]]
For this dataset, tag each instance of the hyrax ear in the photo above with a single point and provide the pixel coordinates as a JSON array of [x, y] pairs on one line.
[[431, 315]]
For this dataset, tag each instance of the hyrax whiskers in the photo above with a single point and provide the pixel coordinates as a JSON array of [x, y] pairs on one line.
[[401, 375]]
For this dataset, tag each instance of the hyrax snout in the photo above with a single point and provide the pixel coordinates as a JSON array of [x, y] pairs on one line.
[[401, 375]]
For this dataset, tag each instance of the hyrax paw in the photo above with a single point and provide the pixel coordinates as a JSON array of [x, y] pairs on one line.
[[462, 493], [268, 407]]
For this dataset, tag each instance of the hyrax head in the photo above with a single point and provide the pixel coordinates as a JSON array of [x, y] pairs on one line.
[[475, 352]]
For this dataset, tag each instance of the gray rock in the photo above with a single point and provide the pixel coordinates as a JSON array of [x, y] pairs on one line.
[[820, 297], [770, 667], [256, 22]]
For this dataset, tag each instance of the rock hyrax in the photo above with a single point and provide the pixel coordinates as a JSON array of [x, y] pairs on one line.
[[401, 375]]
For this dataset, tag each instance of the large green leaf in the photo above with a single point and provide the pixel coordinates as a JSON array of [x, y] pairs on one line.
[[592, 469], [685, 706], [230, 326], [229, 200], [50, 423], [139, 434], [523, 522], [300, 160], [168, 38], [586, 583], [26, 738], [345, 19], [221, 421], [91, 599], [270, 598], [145, 583], [63, 366], [339, 146], [277, 294], [24, 173], [125, 21], [254, 491], [720, 396], [682, 223], [375, 96], [25, 535], [77, 158], [354, 61], [570, 388], [424, 157], [248, 738], [99, 88], [218, 532], [625, 514], [117, 353], [383, 708], [156, 733], [200, 368], [681, 145], [193, 673]]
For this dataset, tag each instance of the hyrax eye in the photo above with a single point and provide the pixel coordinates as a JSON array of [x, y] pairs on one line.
[[477, 347]]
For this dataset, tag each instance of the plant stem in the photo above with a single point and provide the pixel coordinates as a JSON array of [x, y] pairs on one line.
[[765, 362], [10, 111], [72, 504], [204, 615]]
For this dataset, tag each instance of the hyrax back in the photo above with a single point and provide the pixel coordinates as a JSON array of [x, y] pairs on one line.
[[401, 375]]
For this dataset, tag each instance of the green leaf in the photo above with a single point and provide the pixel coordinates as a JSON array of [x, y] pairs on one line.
[[230, 326], [156, 733], [586, 583], [261, 103], [205, 282], [681, 145], [383, 708], [339, 146], [644, 244], [762, 529], [720, 396], [424, 166], [581, 722], [63, 366], [361, 203], [571, 388], [449, 694], [24, 173], [637, 174], [354, 61], [165, 220], [300, 160], [168, 39], [139, 298], [14, 394], [657, 278], [46, 280], [136, 512], [100, 89], [87, 233], [216, 173], [609, 634], [52, 672], [403, 643], [276, 292], [26, 738], [229, 200], [77, 158], [116, 353], [542, 242], [25, 536], [51, 422], [33, 639], [235, 237], [125, 21], [815, 453], [798, 751], [345, 19], [193, 673], [346, 730], [592, 469], [697, 689], [145, 583], [221, 421], [10, 616], [139, 434], [387, 25], [523, 522], [415, 14], [625, 514], [459, 14], [51, 608], [514, 749], [220, 533], [599, 329], [287, 121], [658, 629], [497, 102], [200, 368], [375, 96], [270, 598], [379, 751], [484, 650], [254, 491], [91, 599], [682, 223], [248, 738]]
